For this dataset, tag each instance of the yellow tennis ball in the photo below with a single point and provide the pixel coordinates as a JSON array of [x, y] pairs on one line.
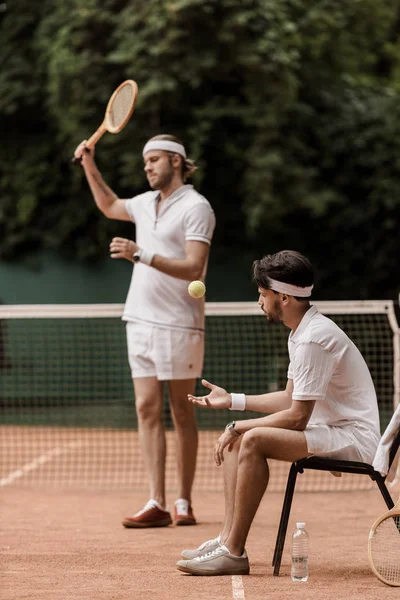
[[196, 289]]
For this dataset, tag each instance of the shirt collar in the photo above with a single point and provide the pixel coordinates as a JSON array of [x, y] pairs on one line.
[[303, 323], [176, 195]]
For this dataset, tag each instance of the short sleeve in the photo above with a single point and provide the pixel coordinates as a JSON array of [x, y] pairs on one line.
[[139, 205], [199, 223], [312, 370], [130, 207], [290, 371]]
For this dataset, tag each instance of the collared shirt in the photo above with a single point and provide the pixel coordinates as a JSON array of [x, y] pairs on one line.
[[326, 366], [154, 297]]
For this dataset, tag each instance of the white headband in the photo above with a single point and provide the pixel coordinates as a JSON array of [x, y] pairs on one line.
[[165, 145], [289, 289]]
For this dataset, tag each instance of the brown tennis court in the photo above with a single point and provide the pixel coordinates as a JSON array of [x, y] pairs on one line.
[[69, 544], [66, 541]]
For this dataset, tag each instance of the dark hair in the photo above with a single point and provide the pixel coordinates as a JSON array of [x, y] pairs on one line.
[[287, 266], [188, 166]]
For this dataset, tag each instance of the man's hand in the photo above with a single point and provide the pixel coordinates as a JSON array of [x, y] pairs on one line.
[[218, 398], [226, 439], [122, 248], [83, 154]]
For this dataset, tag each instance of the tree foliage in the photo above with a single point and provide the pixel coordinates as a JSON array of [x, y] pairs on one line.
[[290, 108]]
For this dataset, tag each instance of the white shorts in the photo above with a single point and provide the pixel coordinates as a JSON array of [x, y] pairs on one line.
[[164, 353], [346, 443]]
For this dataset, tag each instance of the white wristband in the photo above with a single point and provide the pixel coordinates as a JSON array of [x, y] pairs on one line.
[[238, 402], [146, 256]]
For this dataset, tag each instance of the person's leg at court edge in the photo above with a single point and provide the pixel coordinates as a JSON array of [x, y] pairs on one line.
[[183, 415], [230, 478], [149, 402], [251, 477]]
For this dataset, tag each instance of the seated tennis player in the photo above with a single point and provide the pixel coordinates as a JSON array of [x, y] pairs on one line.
[[329, 408]]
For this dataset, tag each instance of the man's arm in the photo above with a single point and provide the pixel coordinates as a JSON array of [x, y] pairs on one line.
[[296, 418], [107, 201], [189, 268], [271, 402], [283, 412]]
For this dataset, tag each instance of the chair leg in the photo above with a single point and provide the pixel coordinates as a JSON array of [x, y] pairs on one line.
[[384, 491], [287, 504]]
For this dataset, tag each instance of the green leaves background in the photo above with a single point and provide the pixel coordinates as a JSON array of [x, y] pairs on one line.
[[289, 107]]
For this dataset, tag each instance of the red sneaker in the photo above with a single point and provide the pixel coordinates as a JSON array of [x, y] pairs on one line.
[[151, 515], [183, 513]]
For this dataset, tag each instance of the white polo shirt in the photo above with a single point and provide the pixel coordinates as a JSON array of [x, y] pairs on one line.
[[326, 366], [154, 297]]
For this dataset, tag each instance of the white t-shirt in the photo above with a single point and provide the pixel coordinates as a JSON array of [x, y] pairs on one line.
[[154, 297], [326, 366]]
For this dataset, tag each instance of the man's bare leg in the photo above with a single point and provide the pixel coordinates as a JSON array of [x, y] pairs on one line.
[[230, 474], [183, 415], [230, 467], [149, 401], [257, 445]]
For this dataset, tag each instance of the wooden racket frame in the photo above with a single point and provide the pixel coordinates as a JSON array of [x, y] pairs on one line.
[[106, 125], [394, 512]]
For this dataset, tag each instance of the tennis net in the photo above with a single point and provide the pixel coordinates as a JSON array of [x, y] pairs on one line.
[[66, 397]]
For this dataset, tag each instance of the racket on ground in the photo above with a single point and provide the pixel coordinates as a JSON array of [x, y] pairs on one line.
[[384, 547], [118, 112]]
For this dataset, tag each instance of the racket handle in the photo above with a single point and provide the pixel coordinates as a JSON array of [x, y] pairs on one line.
[[92, 141]]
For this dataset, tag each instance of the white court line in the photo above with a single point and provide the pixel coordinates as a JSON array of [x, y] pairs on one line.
[[237, 587], [37, 462]]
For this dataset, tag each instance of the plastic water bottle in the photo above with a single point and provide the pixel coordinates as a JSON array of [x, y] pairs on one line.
[[300, 553]]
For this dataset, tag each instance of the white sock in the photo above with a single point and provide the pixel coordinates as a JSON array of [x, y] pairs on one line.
[[182, 505], [156, 504]]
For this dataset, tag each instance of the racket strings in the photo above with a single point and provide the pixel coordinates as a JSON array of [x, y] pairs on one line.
[[385, 549], [121, 107]]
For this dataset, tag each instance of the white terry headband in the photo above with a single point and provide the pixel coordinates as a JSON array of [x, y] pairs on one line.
[[289, 289], [165, 145]]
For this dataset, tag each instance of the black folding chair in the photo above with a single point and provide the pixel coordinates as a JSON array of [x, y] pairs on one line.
[[327, 464]]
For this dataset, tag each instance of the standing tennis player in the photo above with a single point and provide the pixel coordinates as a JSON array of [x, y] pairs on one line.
[[329, 408], [165, 326]]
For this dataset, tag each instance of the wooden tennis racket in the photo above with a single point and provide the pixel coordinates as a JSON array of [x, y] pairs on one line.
[[384, 546], [118, 112]]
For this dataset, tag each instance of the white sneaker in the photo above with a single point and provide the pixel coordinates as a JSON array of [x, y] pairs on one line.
[[207, 546], [217, 562]]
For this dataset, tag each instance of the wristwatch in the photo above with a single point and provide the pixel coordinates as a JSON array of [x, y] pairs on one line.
[[232, 430], [136, 256]]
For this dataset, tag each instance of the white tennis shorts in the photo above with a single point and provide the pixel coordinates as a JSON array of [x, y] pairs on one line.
[[345, 443], [164, 353]]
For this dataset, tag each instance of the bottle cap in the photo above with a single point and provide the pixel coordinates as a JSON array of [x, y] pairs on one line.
[[300, 525]]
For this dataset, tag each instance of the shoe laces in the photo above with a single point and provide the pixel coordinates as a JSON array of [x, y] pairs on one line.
[[212, 553], [209, 543]]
